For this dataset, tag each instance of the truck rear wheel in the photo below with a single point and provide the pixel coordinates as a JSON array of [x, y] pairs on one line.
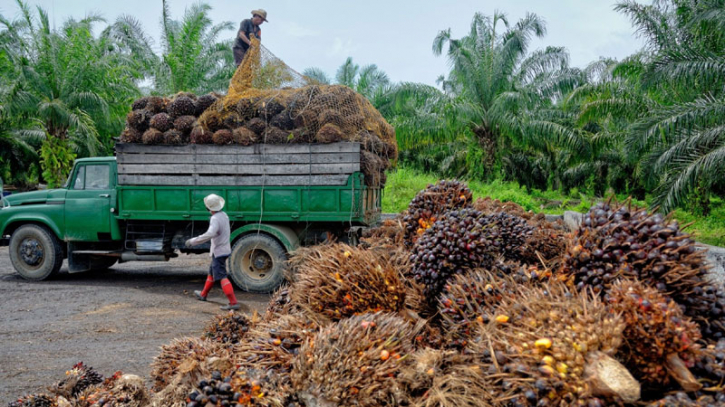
[[257, 263], [35, 252]]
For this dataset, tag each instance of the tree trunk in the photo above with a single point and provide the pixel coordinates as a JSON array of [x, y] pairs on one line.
[[487, 140]]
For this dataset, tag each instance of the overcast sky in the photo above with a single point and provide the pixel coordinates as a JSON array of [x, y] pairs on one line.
[[395, 35]]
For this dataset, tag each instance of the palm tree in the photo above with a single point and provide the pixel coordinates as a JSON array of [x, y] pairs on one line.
[[673, 102], [492, 92], [69, 84]]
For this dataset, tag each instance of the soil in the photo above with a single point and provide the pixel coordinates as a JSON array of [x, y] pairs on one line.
[[111, 320]]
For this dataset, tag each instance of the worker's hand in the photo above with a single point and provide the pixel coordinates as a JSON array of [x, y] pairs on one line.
[[188, 243]]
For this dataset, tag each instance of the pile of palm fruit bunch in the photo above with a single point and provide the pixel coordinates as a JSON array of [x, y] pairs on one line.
[[160, 120], [622, 314]]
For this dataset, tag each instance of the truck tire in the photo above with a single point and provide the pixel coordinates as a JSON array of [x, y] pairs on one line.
[[257, 263], [35, 252]]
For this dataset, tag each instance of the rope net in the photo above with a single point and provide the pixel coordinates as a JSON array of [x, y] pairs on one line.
[[269, 100]]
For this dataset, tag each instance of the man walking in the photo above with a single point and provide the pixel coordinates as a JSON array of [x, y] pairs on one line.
[[248, 28], [218, 233]]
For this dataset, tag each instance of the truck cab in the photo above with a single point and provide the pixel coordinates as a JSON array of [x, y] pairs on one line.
[[94, 222]]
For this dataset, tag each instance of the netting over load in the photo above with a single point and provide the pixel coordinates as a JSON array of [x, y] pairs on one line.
[[279, 105], [268, 102]]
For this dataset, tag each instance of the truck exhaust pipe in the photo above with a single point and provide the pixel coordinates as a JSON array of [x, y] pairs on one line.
[[131, 256]]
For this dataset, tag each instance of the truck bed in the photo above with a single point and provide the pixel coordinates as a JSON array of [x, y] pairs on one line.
[[260, 183]]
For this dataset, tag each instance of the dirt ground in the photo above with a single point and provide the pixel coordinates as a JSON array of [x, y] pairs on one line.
[[111, 320]]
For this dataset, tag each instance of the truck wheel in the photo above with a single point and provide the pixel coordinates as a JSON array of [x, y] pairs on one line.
[[257, 263], [35, 252]]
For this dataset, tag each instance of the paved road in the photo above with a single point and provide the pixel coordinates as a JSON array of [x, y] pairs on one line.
[[111, 320]]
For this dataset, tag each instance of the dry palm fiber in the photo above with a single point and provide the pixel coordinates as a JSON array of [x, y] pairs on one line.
[[77, 379], [329, 133], [34, 400], [473, 297], [228, 329], [244, 137], [121, 390], [429, 204], [552, 346], [161, 122], [180, 351], [185, 124], [200, 136], [152, 136], [373, 167], [461, 240], [203, 102], [355, 362], [256, 125], [621, 241], [657, 337], [270, 349], [138, 120], [130, 135], [245, 109], [222, 137], [174, 137], [275, 135], [181, 105], [340, 281]]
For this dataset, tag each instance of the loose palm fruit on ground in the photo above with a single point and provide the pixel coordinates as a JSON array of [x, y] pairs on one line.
[[429, 204], [228, 328], [355, 362], [35, 400]]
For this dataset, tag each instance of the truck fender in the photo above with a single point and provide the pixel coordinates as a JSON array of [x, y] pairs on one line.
[[285, 235], [15, 222]]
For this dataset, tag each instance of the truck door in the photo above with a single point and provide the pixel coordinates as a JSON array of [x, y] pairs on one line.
[[88, 203]]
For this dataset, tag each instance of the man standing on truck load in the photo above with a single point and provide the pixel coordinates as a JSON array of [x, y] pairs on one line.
[[218, 233], [248, 28]]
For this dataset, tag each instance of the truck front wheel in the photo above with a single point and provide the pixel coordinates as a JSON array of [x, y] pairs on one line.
[[257, 263], [35, 252]]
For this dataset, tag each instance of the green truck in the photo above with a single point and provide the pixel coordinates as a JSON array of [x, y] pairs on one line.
[[142, 205]]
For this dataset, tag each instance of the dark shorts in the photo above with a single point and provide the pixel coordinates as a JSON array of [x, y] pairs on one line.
[[238, 55], [218, 268]]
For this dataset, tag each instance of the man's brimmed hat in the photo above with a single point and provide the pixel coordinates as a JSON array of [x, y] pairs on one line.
[[260, 13], [214, 202]]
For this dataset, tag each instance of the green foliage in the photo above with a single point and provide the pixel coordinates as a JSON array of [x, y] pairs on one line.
[[56, 159]]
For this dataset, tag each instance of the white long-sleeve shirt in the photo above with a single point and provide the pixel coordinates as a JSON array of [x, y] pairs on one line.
[[218, 233]]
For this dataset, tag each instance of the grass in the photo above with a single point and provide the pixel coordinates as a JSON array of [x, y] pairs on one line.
[[404, 183]]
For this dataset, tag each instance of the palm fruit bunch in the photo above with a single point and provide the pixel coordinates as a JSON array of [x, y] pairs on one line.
[[270, 348], [34, 400], [120, 390], [460, 240], [616, 241], [660, 343], [161, 122], [200, 136], [429, 204], [229, 328], [222, 137], [710, 365], [181, 105], [138, 120], [174, 137], [473, 297], [203, 102], [172, 356], [184, 124], [237, 389], [547, 241], [152, 136], [549, 346], [682, 399], [280, 305], [389, 233], [77, 379], [355, 362], [341, 281]]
